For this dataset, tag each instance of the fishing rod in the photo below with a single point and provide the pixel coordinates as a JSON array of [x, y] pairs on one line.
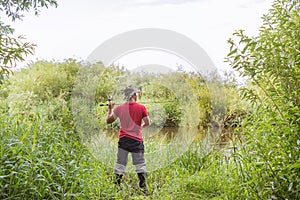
[[110, 99]]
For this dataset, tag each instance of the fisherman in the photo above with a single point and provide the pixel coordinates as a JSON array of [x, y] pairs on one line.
[[133, 118]]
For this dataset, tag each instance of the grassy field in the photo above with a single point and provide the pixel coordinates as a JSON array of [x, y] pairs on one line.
[[55, 143], [231, 141], [42, 160]]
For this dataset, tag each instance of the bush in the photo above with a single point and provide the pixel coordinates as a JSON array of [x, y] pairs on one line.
[[269, 162]]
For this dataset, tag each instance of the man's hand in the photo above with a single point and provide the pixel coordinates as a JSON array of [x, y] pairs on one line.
[[111, 105], [146, 121], [111, 117]]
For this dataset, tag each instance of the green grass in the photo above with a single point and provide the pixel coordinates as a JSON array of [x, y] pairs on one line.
[[43, 160], [44, 157]]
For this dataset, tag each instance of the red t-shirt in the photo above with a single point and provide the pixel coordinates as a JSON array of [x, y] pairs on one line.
[[131, 115]]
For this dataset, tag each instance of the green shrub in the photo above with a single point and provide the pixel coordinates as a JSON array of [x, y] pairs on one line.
[[43, 160], [269, 163]]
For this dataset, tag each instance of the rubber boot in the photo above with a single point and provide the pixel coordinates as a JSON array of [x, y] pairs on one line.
[[142, 184], [118, 180]]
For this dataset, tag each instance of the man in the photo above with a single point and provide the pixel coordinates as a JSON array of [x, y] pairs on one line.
[[133, 118]]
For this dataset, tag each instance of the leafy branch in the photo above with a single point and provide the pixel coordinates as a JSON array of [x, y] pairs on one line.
[[15, 49], [15, 9]]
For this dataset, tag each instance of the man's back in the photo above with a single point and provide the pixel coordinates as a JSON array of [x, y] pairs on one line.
[[131, 115]]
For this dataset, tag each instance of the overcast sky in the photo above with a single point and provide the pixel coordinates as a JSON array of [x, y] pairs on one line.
[[76, 28]]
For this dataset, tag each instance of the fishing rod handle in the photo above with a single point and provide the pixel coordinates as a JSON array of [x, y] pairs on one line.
[[106, 104]]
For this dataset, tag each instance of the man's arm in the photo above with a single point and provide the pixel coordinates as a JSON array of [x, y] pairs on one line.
[[111, 117], [146, 121]]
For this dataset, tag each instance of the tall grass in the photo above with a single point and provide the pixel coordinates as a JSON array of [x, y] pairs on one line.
[[41, 159], [44, 157]]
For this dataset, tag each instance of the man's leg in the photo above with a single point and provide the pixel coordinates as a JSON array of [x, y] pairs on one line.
[[120, 167], [139, 162]]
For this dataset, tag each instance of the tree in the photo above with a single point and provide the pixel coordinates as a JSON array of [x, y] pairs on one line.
[[271, 61], [14, 49]]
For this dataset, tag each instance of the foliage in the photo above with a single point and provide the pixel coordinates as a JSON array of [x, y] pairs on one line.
[[166, 100], [43, 160], [109, 79], [14, 49], [270, 160], [14, 9], [44, 156], [45, 89], [46, 80]]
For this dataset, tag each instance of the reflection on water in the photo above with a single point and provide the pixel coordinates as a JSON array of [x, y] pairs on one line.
[[167, 145], [166, 133]]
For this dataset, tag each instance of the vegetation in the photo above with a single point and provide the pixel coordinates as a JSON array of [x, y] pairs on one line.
[[272, 63], [246, 147], [15, 49]]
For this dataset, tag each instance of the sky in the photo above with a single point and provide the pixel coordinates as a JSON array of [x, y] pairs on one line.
[[75, 28]]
